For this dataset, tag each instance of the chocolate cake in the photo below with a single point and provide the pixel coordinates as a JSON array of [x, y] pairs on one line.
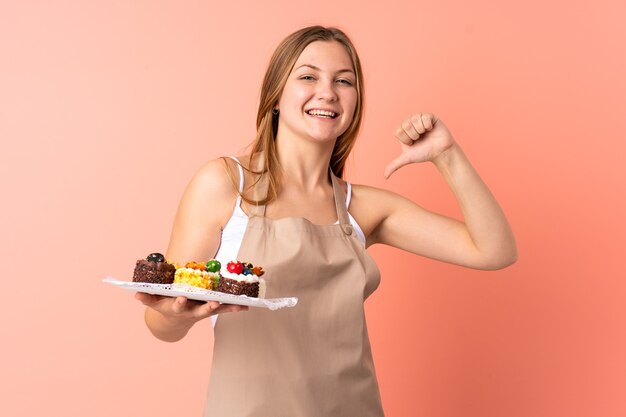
[[154, 270], [232, 286]]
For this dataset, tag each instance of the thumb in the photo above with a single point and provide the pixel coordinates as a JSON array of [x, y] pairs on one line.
[[397, 163]]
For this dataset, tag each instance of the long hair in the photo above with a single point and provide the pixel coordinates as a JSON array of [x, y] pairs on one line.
[[280, 66]]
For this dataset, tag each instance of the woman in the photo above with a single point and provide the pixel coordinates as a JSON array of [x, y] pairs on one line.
[[291, 216]]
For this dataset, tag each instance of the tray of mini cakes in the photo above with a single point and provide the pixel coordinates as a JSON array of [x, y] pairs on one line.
[[238, 283]]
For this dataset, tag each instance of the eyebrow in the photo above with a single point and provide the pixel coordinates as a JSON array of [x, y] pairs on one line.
[[319, 69]]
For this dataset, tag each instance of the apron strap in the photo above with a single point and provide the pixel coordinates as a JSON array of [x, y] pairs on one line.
[[340, 205], [260, 191]]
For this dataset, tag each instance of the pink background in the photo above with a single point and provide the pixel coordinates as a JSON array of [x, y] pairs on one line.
[[107, 109]]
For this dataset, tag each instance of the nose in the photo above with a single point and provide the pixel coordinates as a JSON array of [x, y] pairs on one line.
[[326, 90]]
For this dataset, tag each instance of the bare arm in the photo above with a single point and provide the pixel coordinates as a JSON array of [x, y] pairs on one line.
[[204, 208], [484, 240]]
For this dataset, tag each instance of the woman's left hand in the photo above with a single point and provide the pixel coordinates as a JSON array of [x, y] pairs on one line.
[[422, 138]]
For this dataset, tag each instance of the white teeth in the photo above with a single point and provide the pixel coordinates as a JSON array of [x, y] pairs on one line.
[[323, 113]]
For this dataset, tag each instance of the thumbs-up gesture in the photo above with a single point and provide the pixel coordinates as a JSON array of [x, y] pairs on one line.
[[422, 138]]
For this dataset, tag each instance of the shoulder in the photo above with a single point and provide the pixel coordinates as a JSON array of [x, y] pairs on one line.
[[367, 192], [205, 207], [376, 198], [370, 206], [214, 174], [212, 190]]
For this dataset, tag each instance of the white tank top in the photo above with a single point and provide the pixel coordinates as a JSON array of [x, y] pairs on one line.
[[232, 234]]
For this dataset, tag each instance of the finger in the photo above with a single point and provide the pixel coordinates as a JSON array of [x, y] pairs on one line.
[[208, 309], [237, 308], [429, 120], [394, 165], [410, 130], [179, 305], [230, 308], [147, 299], [403, 137], [197, 309], [418, 123], [142, 297]]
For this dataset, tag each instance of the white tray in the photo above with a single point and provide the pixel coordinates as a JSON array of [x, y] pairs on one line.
[[195, 293]]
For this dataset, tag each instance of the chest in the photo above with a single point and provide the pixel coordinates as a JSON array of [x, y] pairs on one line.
[[319, 210]]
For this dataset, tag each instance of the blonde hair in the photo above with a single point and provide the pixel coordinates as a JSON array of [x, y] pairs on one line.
[[280, 66]]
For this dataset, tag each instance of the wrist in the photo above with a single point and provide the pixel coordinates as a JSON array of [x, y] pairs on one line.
[[167, 327], [448, 157]]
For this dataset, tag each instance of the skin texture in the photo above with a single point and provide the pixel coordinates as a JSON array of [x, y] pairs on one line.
[[310, 87], [323, 78]]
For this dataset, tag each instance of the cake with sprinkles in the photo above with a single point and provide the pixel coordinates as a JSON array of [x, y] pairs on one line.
[[199, 274]]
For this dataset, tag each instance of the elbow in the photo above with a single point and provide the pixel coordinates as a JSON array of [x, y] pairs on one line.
[[502, 263], [502, 260], [497, 257], [167, 339]]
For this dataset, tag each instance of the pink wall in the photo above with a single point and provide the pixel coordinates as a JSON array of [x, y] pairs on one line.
[[107, 108]]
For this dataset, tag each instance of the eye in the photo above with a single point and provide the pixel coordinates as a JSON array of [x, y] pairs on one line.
[[344, 81], [307, 78]]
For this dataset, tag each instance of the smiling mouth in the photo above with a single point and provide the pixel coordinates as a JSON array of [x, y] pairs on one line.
[[325, 114]]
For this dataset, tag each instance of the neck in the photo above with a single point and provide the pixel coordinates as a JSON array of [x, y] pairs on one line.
[[304, 163]]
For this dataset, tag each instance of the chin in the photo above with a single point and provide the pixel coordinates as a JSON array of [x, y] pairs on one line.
[[323, 138]]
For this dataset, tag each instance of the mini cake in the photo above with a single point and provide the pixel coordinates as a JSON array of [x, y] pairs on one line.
[[199, 274], [154, 270], [241, 279]]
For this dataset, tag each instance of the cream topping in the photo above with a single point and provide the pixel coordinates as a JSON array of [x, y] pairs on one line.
[[240, 277]]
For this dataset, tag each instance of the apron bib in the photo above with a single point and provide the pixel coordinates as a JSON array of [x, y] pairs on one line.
[[312, 360]]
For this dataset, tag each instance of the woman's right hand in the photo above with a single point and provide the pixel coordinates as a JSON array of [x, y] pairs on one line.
[[179, 314], [184, 309]]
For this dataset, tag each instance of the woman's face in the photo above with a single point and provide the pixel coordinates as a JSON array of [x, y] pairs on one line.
[[320, 95]]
